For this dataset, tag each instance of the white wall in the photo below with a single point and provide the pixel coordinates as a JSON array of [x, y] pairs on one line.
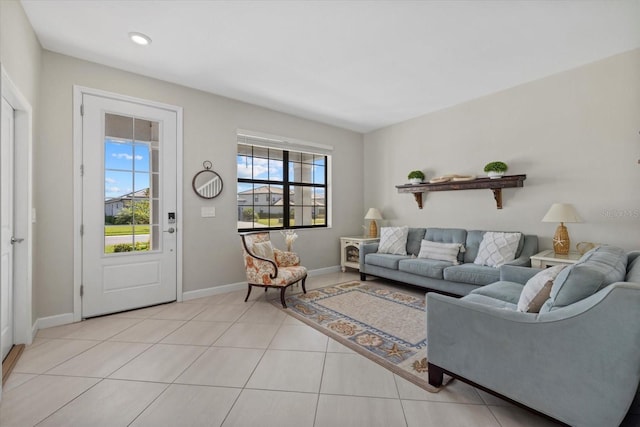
[[212, 252], [574, 134], [21, 57]]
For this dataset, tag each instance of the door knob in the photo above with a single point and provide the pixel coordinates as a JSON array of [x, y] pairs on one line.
[[15, 240], [170, 230]]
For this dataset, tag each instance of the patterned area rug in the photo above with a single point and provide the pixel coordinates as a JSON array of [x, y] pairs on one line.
[[382, 324]]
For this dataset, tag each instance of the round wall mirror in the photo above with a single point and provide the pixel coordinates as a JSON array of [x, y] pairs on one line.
[[207, 183]]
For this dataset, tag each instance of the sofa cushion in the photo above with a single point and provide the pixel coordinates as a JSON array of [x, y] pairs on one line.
[[497, 248], [384, 260], [596, 269], [440, 251], [633, 271], [610, 260], [501, 290], [537, 290], [414, 237], [424, 267], [448, 235], [493, 302], [393, 240], [472, 274], [472, 244]]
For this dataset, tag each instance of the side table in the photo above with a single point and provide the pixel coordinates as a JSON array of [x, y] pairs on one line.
[[549, 258], [350, 250]]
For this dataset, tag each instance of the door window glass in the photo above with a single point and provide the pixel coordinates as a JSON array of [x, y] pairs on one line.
[[131, 181]]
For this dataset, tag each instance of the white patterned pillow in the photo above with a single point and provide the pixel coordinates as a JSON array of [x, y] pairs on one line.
[[497, 248], [264, 250], [538, 289], [440, 251], [393, 240]]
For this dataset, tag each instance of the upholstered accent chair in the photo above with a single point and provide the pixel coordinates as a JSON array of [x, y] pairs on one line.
[[268, 267]]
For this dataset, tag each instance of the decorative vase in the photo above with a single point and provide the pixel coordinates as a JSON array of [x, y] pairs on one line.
[[494, 175], [415, 181]]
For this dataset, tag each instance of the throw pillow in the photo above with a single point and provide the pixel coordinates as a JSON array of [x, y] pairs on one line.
[[393, 240], [264, 250], [538, 289], [497, 248], [440, 251]]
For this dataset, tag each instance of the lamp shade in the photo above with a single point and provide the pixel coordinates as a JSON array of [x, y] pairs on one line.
[[373, 213], [562, 212]]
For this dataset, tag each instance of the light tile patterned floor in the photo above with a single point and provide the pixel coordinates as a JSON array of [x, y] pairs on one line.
[[218, 361]]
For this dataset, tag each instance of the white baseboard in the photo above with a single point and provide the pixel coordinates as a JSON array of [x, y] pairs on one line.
[[66, 318], [51, 321], [215, 290], [326, 270]]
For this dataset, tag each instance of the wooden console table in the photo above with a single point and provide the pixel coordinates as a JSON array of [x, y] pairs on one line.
[[496, 185]]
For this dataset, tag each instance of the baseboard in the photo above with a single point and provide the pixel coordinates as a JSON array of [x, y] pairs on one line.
[[51, 321], [326, 270], [241, 286], [66, 318], [214, 290]]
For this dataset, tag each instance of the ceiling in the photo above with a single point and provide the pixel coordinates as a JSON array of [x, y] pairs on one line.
[[360, 65]]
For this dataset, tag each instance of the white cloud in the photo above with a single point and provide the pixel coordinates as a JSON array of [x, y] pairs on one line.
[[125, 156], [260, 166], [110, 180]]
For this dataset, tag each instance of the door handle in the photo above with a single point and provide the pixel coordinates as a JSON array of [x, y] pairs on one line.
[[15, 240], [171, 230]]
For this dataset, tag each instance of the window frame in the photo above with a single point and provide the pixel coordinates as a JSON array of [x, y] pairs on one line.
[[286, 184]]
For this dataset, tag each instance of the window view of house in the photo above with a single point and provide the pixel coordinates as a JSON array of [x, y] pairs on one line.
[[130, 153], [280, 188]]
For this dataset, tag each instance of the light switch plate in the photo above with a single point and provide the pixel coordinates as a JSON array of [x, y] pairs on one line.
[[208, 211]]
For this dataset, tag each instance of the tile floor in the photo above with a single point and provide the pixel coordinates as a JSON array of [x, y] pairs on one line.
[[218, 361]]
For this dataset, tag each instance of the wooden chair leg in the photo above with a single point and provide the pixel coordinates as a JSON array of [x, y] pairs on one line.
[[248, 293], [284, 304], [303, 287]]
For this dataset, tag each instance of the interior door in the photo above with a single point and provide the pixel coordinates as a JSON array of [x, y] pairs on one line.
[[129, 205], [6, 219]]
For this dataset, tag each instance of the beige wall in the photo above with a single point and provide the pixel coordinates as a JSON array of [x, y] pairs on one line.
[[20, 51], [21, 57], [211, 245], [574, 134]]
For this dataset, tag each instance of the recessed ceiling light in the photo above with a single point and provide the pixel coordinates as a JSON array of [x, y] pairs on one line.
[[139, 38]]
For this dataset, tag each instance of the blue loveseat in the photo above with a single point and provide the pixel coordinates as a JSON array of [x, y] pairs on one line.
[[577, 361], [441, 276]]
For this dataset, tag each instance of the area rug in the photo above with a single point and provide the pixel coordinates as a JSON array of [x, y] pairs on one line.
[[382, 324]]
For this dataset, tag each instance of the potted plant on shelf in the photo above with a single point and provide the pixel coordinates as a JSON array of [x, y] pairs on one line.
[[495, 169], [416, 177]]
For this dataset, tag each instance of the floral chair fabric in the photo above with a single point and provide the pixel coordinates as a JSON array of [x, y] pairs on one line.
[[282, 271]]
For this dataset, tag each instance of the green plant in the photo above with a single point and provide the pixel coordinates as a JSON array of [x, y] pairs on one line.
[[123, 247], [496, 167], [416, 175]]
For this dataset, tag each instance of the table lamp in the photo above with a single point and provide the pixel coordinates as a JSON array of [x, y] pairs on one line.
[[561, 212], [373, 214]]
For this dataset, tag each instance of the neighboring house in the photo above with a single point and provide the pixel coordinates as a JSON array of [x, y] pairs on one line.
[[263, 195], [115, 204], [270, 199]]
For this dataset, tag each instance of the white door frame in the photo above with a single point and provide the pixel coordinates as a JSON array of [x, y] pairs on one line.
[[23, 325], [78, 91]]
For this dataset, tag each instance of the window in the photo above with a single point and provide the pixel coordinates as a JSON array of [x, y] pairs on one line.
[[290, 177]]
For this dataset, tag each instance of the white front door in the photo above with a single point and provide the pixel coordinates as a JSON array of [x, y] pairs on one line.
[[6, 218], [129, 205]]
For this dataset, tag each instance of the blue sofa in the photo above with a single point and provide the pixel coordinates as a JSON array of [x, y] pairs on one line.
[[577, 361], [441, 276]]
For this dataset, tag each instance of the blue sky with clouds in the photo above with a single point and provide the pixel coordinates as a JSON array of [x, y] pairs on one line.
[[127, 167]]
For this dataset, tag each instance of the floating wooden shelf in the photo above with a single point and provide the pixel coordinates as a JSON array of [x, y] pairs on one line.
[[496, 185]]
